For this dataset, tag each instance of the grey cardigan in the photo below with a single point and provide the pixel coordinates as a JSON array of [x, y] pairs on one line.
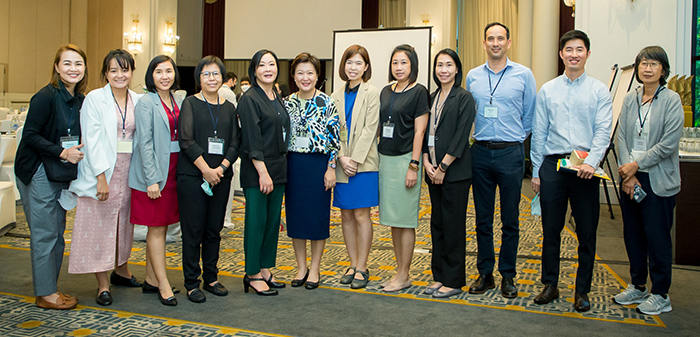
[[665, 129], [151, 148]]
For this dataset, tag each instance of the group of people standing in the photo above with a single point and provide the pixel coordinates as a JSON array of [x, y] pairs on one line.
[[158, 158]]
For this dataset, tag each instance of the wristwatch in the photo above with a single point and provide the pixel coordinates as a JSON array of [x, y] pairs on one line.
[[331, 165], [223, 167], [443, 167]]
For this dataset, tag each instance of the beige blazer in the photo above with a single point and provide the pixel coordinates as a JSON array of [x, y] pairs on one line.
[[361, 144]]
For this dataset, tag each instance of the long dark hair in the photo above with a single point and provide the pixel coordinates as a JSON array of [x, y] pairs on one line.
[[81, 86], [255, 61], [455, 58], [150, 83]]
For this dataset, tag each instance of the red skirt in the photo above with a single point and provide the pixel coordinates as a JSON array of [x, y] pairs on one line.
[[163, 211]]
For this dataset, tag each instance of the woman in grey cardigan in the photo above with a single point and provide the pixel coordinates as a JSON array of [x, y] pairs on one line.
[[152, 176], [650, 130]]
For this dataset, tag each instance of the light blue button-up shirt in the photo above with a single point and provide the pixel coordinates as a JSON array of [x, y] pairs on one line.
[[514, 97], [571, 115]]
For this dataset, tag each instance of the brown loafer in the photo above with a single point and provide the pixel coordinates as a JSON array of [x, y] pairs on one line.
[[63, 302]]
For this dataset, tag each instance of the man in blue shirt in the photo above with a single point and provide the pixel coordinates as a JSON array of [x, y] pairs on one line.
[[573, 112], [505, 94]]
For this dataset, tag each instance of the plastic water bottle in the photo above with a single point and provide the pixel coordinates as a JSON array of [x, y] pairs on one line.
[[15, 123]]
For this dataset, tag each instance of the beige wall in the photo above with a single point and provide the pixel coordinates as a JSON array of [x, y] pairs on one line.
[[104, 33]]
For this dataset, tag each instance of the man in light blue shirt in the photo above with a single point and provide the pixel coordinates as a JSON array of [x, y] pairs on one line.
[[573, 112], [505, 94]]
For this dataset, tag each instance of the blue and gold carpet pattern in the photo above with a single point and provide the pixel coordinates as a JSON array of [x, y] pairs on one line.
[[382, 265]]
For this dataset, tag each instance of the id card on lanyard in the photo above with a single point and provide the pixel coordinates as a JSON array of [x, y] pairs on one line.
[[388, 127], [215, 144]]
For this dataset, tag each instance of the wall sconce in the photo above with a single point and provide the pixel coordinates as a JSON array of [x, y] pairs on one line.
[[171, 40], [572, 4], [425, 18], [134, 40]]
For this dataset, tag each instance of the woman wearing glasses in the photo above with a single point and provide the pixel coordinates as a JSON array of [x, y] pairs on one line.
[[651, 124], [209, 141]]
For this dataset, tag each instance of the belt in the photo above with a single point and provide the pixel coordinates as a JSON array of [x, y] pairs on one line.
[[559, 156], [496, 145]]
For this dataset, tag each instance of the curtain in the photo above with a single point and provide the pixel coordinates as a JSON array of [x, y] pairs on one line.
[[392, 13], [475, 15]]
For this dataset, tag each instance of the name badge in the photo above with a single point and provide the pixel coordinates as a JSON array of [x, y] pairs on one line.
[[69, 141], [302, 142], [174, 146], [216, 145], [640, 141], [431, 140], [491, 111], [388, 130], [125, 146], [344, 134]]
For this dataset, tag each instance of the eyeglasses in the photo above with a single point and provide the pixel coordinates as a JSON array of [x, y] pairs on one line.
[[652, 64], [216, 74]]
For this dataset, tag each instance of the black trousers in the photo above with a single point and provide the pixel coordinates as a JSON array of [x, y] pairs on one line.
[[448, 231], [201, 221], [556, 190], [647, 232]]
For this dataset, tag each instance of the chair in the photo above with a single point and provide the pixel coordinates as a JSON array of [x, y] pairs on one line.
[[8, 215], [7, 167]]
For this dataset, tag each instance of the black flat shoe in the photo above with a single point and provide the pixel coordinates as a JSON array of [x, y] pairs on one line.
[[246, 285], [170, 301], [104, 298], [118, 280], [196, 296], [359, 284], [548, 294], [217, 289], [274, 284], [148, 288], [298, 282], [312, 285], [347, 278]]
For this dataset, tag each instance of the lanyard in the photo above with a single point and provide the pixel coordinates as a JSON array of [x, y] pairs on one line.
[[218, 107], [391, 105], [493, 90], [438, 109], [70, 119], [639, 109], [123, 115], [168, 111]]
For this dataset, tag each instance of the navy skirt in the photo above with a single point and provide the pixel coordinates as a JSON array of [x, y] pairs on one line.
[[307, 203]]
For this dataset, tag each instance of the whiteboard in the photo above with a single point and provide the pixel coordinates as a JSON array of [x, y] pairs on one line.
[[286, 27], [618, 93], [380, 43]]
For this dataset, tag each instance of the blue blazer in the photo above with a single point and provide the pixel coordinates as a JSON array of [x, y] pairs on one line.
[[151, 148]]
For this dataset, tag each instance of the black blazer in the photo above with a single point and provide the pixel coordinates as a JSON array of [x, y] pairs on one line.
[[452, 133]]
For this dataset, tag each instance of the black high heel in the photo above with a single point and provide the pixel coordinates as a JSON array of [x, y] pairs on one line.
[[274, 284], [170, 301], [300, 282], [246, 285]]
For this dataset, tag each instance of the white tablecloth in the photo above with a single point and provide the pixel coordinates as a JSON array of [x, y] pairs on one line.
[[8, 148]]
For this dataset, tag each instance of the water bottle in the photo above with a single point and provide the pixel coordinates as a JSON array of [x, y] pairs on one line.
[[15, 123]]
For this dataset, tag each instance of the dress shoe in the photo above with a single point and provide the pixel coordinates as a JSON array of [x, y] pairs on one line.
[[217, 289], [300, 282], [197, 296], [312, 285], [581, 302], [148, 288], [347, 278], [118, 280], [440, 294], [170, 301], [247, 285], [274, 284], [508, 289], [483, 283], [359, 284], [63, 302], [104, 298], [548, 294]]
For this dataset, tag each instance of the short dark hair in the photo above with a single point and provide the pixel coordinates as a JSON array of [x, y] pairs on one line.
[[351, 52], [231, 75], [123, 57], [150, 83], [497, 24], [451, 53], [81, 86], [255, 61], [245, 79], [412, 57], [305, 58], [205, 61], [655, 53], [574, 35]]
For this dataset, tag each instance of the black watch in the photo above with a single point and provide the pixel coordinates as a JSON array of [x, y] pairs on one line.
[[443, 166]]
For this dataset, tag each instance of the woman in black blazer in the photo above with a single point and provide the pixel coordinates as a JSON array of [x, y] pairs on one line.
[[448, 173]]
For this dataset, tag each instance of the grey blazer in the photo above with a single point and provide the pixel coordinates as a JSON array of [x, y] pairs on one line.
[[665, 129], [151, 148]]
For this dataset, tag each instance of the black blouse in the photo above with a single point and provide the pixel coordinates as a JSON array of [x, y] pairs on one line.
[[407, 106], [195, 128], [264, 123], [50, 111]]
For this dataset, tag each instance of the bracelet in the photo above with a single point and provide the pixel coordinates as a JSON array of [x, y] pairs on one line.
[[413, 167], [413, 161], [223, 167]]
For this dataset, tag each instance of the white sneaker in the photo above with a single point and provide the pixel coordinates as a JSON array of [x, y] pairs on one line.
[[229, 225], [654, 305], [631, 295]]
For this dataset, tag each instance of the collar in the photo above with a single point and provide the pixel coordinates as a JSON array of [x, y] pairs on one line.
[[577, 81], [349, 90], [63, 92], [509, 63]]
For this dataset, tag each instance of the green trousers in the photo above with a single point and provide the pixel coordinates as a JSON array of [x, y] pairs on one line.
[[262, 227]]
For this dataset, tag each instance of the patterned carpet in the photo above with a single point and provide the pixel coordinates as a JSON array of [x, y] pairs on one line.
[[382, 264]]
